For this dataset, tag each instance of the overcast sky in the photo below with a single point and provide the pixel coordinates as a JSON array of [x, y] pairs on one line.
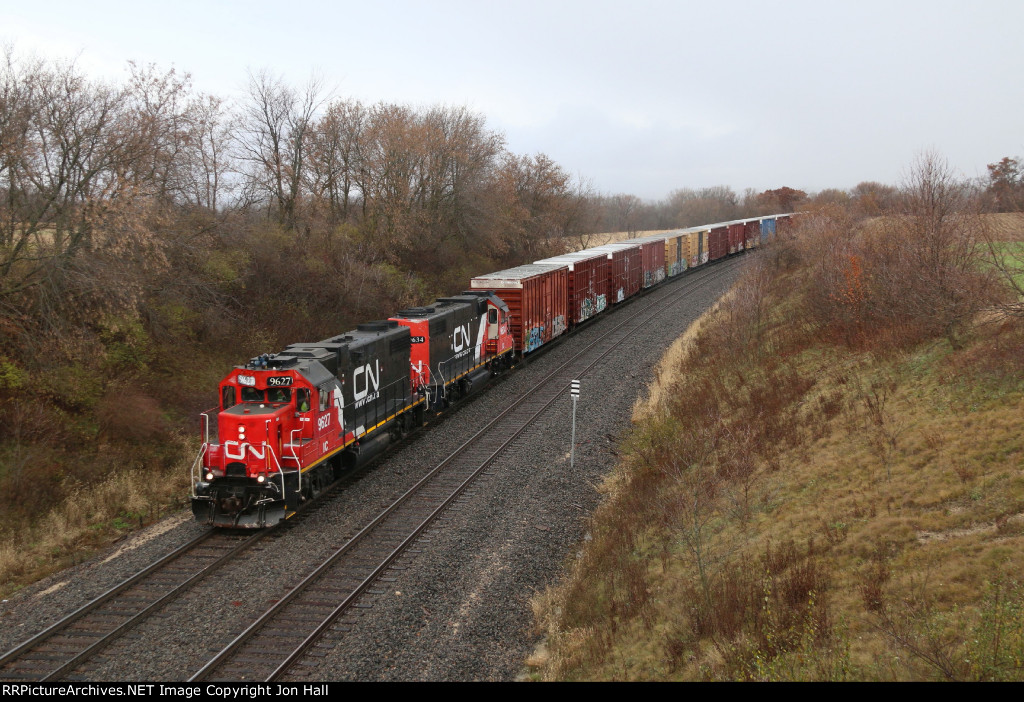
[[639, 97]]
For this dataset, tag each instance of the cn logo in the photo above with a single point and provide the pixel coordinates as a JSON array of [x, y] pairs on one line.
[[462, 338], [339, 403], [368, 375]]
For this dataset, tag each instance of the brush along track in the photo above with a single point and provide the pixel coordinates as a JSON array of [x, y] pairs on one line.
[[296, 621]]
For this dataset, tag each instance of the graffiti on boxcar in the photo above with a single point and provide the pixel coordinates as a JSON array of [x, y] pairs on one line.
[[592, 305], [653, 277], [558, 325], [586, 308], [534, 339], [619, 295]]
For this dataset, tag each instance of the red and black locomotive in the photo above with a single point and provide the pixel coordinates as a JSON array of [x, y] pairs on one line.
[[288, 423]]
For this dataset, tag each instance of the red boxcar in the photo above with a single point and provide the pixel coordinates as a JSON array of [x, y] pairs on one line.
[[537, 298], [752, 233], [718, 243], [652, 256], [736, 237], [625, 269], [588, 283]]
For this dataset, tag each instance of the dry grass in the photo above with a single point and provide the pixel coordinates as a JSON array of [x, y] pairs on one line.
[[658, 391], [1008, 226], [91, 518], [587, 241], [822, 512]]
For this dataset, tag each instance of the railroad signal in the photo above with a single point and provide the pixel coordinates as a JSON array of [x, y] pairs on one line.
[[574, 390]]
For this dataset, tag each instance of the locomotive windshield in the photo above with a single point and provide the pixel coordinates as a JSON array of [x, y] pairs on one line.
[[253, 395], [274, 395]]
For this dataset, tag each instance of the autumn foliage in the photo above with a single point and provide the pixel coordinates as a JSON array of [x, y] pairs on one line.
[[151, 236]]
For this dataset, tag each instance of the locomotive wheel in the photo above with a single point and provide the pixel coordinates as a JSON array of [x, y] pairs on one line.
[[313, 485]]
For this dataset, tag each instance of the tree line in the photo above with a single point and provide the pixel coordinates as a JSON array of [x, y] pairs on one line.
[[151, 235]]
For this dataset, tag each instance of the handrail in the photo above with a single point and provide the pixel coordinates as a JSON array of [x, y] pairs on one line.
[[291, 443], [270, 452], [202, 452]]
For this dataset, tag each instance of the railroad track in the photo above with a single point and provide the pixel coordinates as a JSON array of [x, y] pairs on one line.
[[73, 640], [56, 652], [273, 644]]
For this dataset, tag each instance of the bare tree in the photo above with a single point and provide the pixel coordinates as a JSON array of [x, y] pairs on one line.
[[924, 261], [623, 211], [157, 131], [207, 160], [334, 156], [692, 207], [872, 199], [273, 139], [64, 153]]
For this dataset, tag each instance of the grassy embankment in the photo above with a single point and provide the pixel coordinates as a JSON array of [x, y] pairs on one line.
[[72, 485], [799, 502]]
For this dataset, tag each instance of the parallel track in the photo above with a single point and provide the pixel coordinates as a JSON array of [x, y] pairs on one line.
[[82, 634], [67, 645]]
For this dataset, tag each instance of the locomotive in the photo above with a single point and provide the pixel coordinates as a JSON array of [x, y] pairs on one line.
[[288, 424]]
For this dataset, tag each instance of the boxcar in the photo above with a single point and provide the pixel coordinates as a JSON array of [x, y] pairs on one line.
[[538, 301], [737, 232], [718, 242], [652, 257], [699, 246], [676, 258], [767, 229], [625, 270], [588, 283]]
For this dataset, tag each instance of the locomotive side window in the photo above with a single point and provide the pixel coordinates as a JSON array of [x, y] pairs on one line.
[[325, 398], [252, 395], [492, 316], [228, 397], [302, 399]]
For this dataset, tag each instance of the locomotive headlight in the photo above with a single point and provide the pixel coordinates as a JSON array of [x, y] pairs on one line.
[[209, 476], [261, 478]]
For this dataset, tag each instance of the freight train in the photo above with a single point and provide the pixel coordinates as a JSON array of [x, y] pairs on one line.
[[288, 424]]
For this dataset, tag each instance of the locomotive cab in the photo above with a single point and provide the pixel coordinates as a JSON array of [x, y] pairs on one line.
[[252, 471], [288, 423]]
